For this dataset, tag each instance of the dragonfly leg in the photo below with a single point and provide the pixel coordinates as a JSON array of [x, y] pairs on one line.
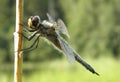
[[29, 37], [35, 43]]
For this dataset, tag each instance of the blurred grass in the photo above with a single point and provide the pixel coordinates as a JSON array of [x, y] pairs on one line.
[[62, 71]]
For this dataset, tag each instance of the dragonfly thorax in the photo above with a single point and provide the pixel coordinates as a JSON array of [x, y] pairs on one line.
[[47, 24]]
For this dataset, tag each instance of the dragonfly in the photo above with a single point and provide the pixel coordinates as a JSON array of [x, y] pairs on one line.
[[52, 30]]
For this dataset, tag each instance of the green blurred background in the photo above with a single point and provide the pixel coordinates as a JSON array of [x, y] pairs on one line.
[[94, 27]]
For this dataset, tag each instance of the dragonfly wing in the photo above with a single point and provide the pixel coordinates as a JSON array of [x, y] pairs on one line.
[[62, 28], [50, 19], [72, 55], [67, 50]]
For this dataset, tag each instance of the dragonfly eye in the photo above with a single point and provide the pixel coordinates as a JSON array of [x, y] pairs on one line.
[[34, 21]]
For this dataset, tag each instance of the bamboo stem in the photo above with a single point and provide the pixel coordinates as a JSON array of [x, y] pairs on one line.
[[18, 43]]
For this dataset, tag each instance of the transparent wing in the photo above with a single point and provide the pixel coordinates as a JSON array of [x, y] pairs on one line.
[[50, 19], [61, 28], [72, 55], [66, 48]]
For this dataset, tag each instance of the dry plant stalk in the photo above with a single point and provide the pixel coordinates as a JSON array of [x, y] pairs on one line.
[[18, 43]]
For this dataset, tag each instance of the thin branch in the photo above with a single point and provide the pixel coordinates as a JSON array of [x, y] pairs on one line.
[[18, 43]]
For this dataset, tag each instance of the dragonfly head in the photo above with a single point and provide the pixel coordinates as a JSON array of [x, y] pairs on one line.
[[34, 22]]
